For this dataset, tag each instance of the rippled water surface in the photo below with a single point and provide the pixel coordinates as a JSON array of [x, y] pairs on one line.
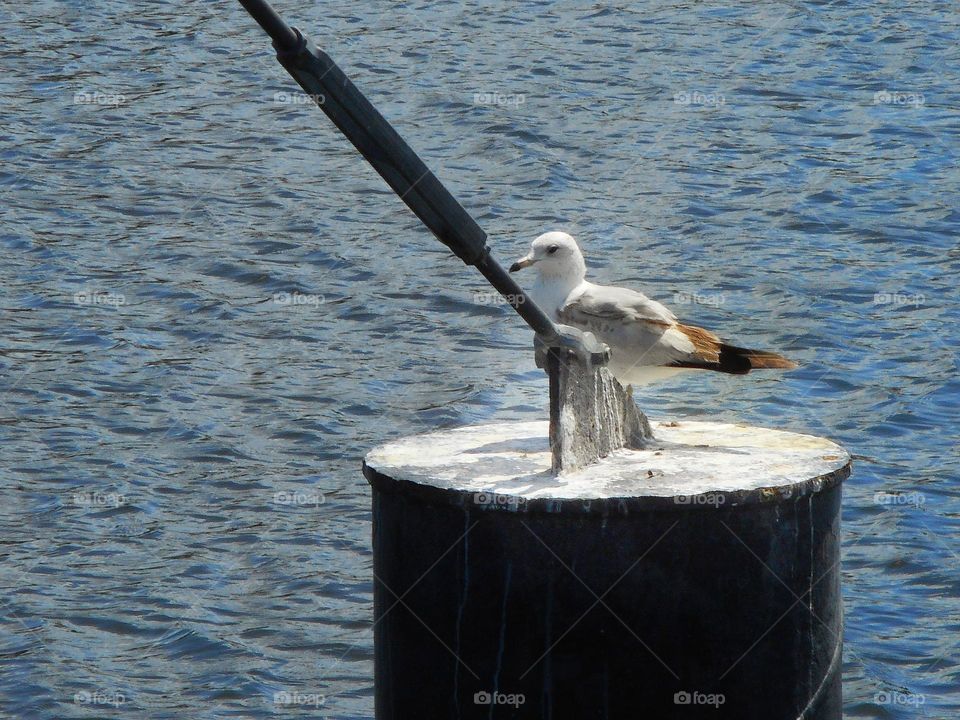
[[212, 308]]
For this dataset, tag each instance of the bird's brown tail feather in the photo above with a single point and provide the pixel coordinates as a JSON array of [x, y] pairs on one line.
[[739, 361], [711, 353]]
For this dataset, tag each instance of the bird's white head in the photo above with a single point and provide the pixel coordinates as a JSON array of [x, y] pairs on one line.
[[554, 255]]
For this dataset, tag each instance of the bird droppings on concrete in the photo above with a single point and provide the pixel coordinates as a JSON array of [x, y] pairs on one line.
[[687, 459]]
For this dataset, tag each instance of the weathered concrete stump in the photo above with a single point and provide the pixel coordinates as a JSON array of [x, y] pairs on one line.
[[591, 415], [698, 577]]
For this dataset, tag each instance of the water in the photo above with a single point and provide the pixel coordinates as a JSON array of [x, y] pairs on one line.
[[158, 393]]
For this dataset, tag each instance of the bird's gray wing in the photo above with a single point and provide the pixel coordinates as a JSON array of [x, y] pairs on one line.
[[610, 303], [636, 328]]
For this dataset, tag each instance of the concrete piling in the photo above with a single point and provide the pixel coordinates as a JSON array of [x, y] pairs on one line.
[[697, 577]]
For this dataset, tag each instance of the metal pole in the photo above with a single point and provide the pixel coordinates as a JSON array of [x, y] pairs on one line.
[[402, 168]]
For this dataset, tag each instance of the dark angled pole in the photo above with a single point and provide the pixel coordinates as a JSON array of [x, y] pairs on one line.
[[395, 161]]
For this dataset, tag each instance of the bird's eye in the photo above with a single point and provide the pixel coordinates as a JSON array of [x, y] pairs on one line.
[[552, 249]]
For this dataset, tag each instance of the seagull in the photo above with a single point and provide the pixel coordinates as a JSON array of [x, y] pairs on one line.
[[647, 342]]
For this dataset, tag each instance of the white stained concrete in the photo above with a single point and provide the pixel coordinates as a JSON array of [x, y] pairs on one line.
[[686, 459]]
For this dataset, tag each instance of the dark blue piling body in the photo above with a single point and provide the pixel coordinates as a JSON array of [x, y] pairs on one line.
[[615, 608]]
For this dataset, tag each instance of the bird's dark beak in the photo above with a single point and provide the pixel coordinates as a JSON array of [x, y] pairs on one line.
[[521, 263]]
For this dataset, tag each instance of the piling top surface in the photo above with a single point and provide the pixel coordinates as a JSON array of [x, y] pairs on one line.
[[688, 460]]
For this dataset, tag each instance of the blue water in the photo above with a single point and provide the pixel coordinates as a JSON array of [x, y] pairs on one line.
[[212, 308]]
